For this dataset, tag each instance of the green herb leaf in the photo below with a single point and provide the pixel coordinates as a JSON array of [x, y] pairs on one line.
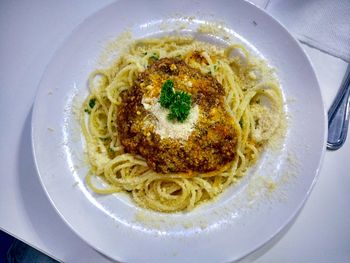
[[179, 102], [110, 150], [154, 56], [87, 111], [167, 93], [181, 106], [92, 103]]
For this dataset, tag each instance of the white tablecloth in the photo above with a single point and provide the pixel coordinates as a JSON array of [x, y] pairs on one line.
[[30, 32]]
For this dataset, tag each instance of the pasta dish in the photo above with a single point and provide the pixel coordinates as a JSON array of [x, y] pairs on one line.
[[175, 121]]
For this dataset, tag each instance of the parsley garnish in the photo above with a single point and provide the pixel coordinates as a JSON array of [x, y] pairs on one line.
[[110, 150], [167, 94], [178, 102], [92, 103], [180, 108], [154, 56]]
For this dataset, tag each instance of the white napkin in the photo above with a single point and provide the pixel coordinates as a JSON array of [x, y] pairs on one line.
[[323, 24]]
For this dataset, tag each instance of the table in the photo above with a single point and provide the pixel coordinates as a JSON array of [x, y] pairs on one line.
[[30, 32]]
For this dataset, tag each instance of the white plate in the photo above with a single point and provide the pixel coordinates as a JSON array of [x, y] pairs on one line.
[[243, 218]]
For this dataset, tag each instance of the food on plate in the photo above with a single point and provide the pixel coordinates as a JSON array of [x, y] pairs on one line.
[[175, 121]]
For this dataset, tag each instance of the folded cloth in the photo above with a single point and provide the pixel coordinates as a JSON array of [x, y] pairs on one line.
[[322, 24]]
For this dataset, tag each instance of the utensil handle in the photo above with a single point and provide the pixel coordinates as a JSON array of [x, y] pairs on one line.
[[338, 115]]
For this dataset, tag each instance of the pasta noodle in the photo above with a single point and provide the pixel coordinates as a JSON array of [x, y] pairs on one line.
[[252, 97]]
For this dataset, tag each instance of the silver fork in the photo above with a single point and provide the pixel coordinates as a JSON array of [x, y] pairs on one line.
[[339, 114]]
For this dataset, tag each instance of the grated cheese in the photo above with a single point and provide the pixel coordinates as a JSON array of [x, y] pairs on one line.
[[171, 129]]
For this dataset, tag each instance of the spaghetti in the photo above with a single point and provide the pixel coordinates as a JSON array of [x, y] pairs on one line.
[[252, 99]]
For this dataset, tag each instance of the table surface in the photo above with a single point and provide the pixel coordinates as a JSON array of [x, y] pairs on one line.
[[30, 33]]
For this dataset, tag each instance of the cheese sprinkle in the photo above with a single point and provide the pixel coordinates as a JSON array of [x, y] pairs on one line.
[[170, 129]]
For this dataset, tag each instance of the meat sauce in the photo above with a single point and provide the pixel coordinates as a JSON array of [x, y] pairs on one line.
[[211, 144]]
